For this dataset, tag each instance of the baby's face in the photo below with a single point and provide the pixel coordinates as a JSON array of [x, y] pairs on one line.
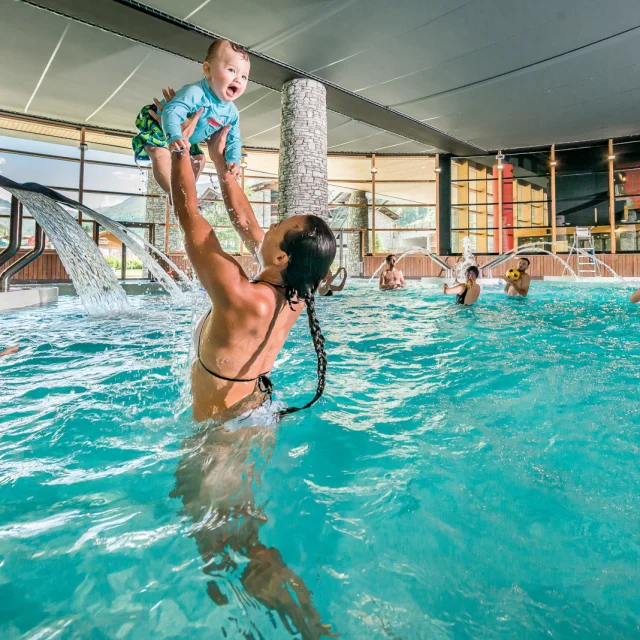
[[227, 73]]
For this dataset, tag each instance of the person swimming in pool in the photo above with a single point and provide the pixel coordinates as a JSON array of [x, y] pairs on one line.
[[237, 343], [391, 278], [519, 287], [327, 288], [468, 292]]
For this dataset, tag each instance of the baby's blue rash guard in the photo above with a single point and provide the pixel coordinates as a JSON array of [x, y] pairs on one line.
[[216, 114]]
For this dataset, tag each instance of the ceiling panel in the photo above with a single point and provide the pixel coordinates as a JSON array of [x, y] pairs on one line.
[[419, 57], [27, 38], [496, 74]]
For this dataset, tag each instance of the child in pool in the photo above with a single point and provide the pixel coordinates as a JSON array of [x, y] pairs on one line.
[[226, 73]]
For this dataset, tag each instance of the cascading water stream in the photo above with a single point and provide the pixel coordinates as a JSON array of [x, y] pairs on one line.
[[94, 281]]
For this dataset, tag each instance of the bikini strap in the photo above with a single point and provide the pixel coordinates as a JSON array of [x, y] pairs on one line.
[[273, 284], [264, 383]]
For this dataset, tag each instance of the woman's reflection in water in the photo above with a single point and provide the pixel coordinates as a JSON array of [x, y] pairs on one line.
[[216, 476]]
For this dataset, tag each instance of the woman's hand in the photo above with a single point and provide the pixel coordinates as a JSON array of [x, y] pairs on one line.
[[188, 127], [216, 145], [235, 170], [169, 94]]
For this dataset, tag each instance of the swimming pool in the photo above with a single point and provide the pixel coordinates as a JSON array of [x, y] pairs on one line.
[[471, 472]]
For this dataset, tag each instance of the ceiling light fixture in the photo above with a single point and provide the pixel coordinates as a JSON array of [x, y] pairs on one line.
[[374, 170], [612, 157], [553, 163]]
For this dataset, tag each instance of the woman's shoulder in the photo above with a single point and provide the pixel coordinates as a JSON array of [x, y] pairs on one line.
[[263, 299]]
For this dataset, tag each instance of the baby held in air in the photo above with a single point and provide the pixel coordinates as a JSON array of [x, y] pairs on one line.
[[226, 73]]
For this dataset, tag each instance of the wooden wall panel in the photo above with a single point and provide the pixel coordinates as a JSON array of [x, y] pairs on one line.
[[48, 268]]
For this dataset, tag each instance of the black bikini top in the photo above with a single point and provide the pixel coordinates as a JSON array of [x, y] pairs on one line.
[[264, 383]]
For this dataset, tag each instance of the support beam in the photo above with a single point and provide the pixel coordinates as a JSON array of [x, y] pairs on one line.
[[444, 206], [83, 148], [159, 30], [436, 249], [554, 232], [374, 171], [612, 199]]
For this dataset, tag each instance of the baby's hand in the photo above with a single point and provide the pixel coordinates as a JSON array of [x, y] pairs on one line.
[[235, 171], [179, 145]]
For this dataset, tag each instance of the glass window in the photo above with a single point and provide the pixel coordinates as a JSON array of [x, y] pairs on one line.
[[400, 240], [45, 171], [406, 217], [405, 192], [348, 168], [70, 150], [261, 164], [119, 179], [127, 208]]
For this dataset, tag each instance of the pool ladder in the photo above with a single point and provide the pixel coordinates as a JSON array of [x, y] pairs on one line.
[[584, 250]]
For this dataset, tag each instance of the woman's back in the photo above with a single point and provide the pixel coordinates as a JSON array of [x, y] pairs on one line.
[[473, 293], [240, 342]]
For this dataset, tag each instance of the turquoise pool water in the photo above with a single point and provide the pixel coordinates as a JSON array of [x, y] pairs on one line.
[[471, 472]]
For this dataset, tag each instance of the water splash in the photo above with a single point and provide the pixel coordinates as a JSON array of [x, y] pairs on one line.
[[94, 281], [468, 260], [539, 247], [143, 250]]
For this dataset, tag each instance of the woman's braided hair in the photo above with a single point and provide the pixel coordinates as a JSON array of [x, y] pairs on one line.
[[311, 251]]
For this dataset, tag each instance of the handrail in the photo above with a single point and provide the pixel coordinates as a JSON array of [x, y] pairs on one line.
[[441, 262], [15, 231], [27, 258]]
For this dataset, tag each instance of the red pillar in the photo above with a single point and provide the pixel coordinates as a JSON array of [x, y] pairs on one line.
[[508, 241]]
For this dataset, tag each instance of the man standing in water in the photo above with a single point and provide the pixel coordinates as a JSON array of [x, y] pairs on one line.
[[391, 278], [519, 287]]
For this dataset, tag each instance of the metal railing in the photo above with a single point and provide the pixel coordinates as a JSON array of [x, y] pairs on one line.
[[26, 259]]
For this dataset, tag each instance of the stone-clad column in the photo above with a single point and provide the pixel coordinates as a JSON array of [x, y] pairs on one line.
[[303, 186], [358, 218]]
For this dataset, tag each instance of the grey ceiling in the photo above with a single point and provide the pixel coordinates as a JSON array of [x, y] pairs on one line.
[[495, 73]]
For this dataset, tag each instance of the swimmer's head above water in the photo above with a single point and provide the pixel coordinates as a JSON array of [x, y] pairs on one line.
[[302, 248], [391, 260], [523, 264], [472, 274]]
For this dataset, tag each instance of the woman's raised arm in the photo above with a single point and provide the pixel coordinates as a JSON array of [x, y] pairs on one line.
[[240, 212], [220, 275]]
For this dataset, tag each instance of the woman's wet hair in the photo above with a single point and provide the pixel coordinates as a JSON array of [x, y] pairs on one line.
[[311, 250], [473, 270]]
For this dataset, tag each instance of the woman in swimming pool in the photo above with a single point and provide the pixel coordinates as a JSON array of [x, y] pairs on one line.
[[327, 288], [466, 293], [237, 343], [250, 320]]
